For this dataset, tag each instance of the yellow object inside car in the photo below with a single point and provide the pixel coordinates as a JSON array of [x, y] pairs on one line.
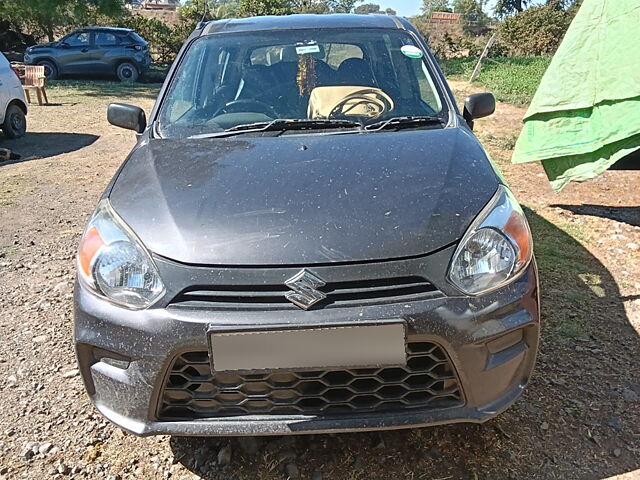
[[341, 101]]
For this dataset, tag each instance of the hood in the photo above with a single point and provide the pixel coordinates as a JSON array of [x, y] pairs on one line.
[[41, 46], [304, 199]]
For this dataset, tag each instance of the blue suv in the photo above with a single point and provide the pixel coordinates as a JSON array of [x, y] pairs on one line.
[[93, 50]]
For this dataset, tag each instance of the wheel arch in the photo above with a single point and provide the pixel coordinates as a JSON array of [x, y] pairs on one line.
[[46, 58], [19, 103]]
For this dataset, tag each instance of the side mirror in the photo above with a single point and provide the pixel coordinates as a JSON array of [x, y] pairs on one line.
[[127, 116], [64, 44], [478, 105]]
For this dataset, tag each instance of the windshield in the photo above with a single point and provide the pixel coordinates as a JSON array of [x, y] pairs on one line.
[[361, 75]]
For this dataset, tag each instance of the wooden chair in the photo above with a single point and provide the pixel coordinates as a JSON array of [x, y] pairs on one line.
[[34, 80]]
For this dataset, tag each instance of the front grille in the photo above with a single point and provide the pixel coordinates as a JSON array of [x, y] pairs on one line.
[[192, 391], [272, 297]]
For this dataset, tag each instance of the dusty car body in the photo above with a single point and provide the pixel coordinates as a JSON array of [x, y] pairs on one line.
[[119, 52], [250, 272]]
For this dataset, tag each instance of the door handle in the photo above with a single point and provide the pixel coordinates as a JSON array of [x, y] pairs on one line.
[[84, 50]]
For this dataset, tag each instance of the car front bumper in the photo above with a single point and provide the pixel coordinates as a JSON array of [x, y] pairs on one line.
[[125, 357], [143, 62]]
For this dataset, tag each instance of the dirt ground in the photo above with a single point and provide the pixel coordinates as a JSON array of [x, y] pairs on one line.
[[579, 419]]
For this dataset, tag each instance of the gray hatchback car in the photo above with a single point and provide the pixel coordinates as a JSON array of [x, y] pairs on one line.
[[93, 51], [307, 237]]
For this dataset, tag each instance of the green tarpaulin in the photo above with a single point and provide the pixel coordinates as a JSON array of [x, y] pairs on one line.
[[585, 115]]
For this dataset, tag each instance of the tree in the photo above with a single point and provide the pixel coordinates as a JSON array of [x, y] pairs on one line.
[[309, 6], [505, 8], [573, 7], [509, 7], [251, 8], [430, 6], [373, 8], [471, 9], [536, 31], [341, 6], [368, 8], [197, 10], [284, 7], [49, 17]]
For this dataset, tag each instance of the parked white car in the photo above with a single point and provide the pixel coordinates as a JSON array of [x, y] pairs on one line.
[[13, 106]]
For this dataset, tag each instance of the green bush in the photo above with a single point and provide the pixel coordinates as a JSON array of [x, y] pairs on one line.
[[250, 8], [164, 40], [462, 39], [453, 46], [513, 80], [535, 31], [458, 68]]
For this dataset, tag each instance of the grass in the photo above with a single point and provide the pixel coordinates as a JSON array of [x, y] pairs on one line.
[[99, 88], [8, 189], [7, 251], [556, 247], [571, 279], [501, 147], [514, 80], [157, 73], [576, 232], [570, 329], [147, 86]]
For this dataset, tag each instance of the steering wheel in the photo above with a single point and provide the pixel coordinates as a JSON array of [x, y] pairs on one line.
[[360, 105], [233, 106]]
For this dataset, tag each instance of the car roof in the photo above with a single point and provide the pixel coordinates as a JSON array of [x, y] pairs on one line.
[[109, 29], [302, 21]]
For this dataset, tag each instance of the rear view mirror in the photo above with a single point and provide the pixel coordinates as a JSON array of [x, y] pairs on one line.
[[478, 105], [127, 116]]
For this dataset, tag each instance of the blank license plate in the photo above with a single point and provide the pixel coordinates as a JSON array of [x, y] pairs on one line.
[[350, 346]]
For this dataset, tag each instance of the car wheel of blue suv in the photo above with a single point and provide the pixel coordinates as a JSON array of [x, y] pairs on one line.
[[127, 72], [50, 69]]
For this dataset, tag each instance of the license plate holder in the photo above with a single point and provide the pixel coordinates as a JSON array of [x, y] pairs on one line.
[[349, 346]]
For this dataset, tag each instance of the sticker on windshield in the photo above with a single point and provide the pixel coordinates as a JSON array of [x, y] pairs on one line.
[[411, 51], [307, 49]]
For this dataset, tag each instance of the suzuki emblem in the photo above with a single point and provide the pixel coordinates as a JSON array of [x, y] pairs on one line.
[[305, 292]]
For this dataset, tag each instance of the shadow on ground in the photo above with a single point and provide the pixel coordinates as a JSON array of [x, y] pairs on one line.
[[43, 145], [102, 88], [629, 215], [578, 419]]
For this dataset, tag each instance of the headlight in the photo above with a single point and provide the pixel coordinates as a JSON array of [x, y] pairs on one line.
[[496, 248], [114, 264]]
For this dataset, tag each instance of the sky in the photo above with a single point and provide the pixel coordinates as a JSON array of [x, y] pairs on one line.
[[405, 8]]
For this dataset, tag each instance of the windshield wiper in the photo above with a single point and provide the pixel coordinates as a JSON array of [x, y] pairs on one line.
[[403, 122], [281, 125]]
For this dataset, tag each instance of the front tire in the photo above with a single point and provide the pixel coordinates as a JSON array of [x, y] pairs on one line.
[[50, 69], [127, 72], [15, 122]]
